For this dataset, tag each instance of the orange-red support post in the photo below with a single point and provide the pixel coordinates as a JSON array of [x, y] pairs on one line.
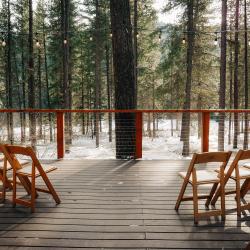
[[60, 135], [138, 124], [205, 132]]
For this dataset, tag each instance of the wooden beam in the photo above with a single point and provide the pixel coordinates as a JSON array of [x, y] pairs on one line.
[[60, 135], [139, 123], [205, 132]]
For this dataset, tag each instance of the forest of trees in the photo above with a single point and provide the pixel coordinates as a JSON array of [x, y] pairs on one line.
[[63, 55]]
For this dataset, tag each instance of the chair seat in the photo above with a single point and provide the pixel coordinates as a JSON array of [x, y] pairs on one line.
[[27, 170], [203, 177], [22, 162], [246, 164], [243, 172]]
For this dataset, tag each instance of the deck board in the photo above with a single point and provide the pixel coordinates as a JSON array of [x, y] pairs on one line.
[[112, 204]]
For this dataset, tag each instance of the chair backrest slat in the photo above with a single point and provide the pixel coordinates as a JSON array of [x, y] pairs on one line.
[[240, 156], [19, 150], [12, 151], [212, 157], [244, 154]]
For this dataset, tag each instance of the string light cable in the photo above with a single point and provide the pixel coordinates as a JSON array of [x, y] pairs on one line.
[[140, 30]]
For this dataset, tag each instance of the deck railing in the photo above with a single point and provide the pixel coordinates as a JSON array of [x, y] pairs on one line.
[[205, 117]]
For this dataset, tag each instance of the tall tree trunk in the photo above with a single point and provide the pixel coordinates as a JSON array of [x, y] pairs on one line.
[[187, 104], [47, 84], [199, 105], [83, 106], [9, 79], [124, 77], [98, 51], [19, 91], [32, 116], [23, 132], [65, 67], [136, 44], [171, 99], [70, 115], [246, 76], [153, 114], [223, 73], [109, 92], [236, 70], [39, 81], [230, 90], [149, 125]]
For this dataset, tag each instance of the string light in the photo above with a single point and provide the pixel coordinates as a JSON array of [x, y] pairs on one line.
[[59, 33], [160, 36], [37, 43], [3, 43], [216, 39]]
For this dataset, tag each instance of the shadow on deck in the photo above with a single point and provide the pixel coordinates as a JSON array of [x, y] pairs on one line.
[[112, 204]]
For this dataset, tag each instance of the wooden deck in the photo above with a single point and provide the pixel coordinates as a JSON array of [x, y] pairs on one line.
[[111, 204]]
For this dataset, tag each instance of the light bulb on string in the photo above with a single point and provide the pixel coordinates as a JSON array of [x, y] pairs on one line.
[[216, 40], [249, 42], [184, 40], [110, 34], [3, 43], [137, 35], [65, 41], [91, 38], [160, 36], [38, 43]]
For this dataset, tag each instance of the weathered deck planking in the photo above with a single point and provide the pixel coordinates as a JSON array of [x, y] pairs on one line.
[[112, 204]]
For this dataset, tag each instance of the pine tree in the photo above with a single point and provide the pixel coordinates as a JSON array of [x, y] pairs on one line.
[[124, 77]]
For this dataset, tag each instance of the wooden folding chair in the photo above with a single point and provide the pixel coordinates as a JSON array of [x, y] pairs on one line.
[[237, 172], [7, 183], [201, 177], [31, 172]]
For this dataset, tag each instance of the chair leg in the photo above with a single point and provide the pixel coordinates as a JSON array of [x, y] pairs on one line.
[[211, 194], [14, 189], [238, 192], [195, 197], [33, 188], [50, 188], [222, 184], [4, 186], [181, 194], [216, 196], [245, 188]]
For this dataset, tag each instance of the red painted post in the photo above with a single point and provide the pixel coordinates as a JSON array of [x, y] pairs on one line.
[[205, 131], [138, 124], [60, 135]]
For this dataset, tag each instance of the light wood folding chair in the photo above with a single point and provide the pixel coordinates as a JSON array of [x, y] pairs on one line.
[[237, 172], [201, 177], [7, 183], [32, 171]]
